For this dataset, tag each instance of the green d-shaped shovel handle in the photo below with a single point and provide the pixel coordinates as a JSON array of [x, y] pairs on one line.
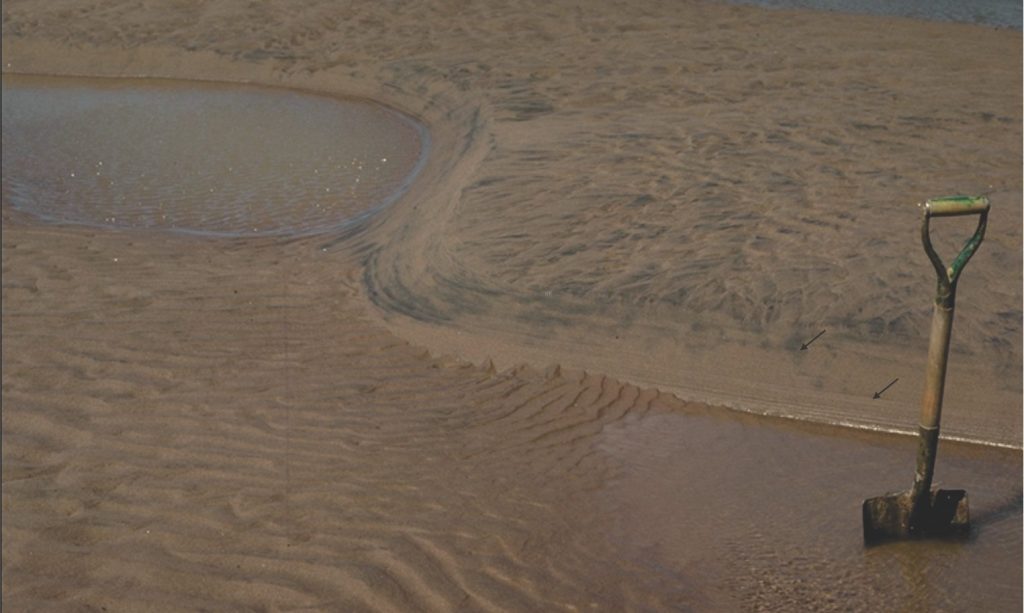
[[949, 207]]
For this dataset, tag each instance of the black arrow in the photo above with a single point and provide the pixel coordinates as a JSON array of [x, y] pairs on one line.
[[804, 346], [878, 394]]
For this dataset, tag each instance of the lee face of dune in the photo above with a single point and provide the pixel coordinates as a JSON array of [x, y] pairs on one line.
[[674, 195]]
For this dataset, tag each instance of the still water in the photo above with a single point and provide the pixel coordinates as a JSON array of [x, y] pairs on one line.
[[201, 158], [766, 515], [996, 13]]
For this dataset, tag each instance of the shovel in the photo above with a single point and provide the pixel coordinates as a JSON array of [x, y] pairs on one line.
[[922, 511]]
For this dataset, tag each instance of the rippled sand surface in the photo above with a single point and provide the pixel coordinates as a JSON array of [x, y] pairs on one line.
[[484, 397]]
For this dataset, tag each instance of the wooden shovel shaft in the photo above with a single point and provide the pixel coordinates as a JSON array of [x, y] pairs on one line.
[[931, 404]]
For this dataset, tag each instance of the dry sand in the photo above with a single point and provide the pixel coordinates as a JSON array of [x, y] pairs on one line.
[[410, 416]]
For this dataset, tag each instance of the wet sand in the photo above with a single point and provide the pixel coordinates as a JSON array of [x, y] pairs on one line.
[[486, 397]]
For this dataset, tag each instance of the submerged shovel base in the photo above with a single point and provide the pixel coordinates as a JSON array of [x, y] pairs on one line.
[[888, 517]]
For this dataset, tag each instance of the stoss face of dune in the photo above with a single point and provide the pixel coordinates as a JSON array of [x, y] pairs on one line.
[[211, 159]]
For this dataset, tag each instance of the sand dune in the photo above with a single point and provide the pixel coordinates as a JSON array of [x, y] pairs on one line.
[[485, 397]]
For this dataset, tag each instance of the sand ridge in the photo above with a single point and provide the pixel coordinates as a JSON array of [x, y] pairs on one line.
[[650, 198]]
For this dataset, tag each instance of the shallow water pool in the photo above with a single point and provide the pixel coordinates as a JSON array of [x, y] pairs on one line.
[[214, 159], [993, 13], [765, 515]]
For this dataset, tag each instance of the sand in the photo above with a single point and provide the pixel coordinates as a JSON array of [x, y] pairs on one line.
[[508, 390]]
